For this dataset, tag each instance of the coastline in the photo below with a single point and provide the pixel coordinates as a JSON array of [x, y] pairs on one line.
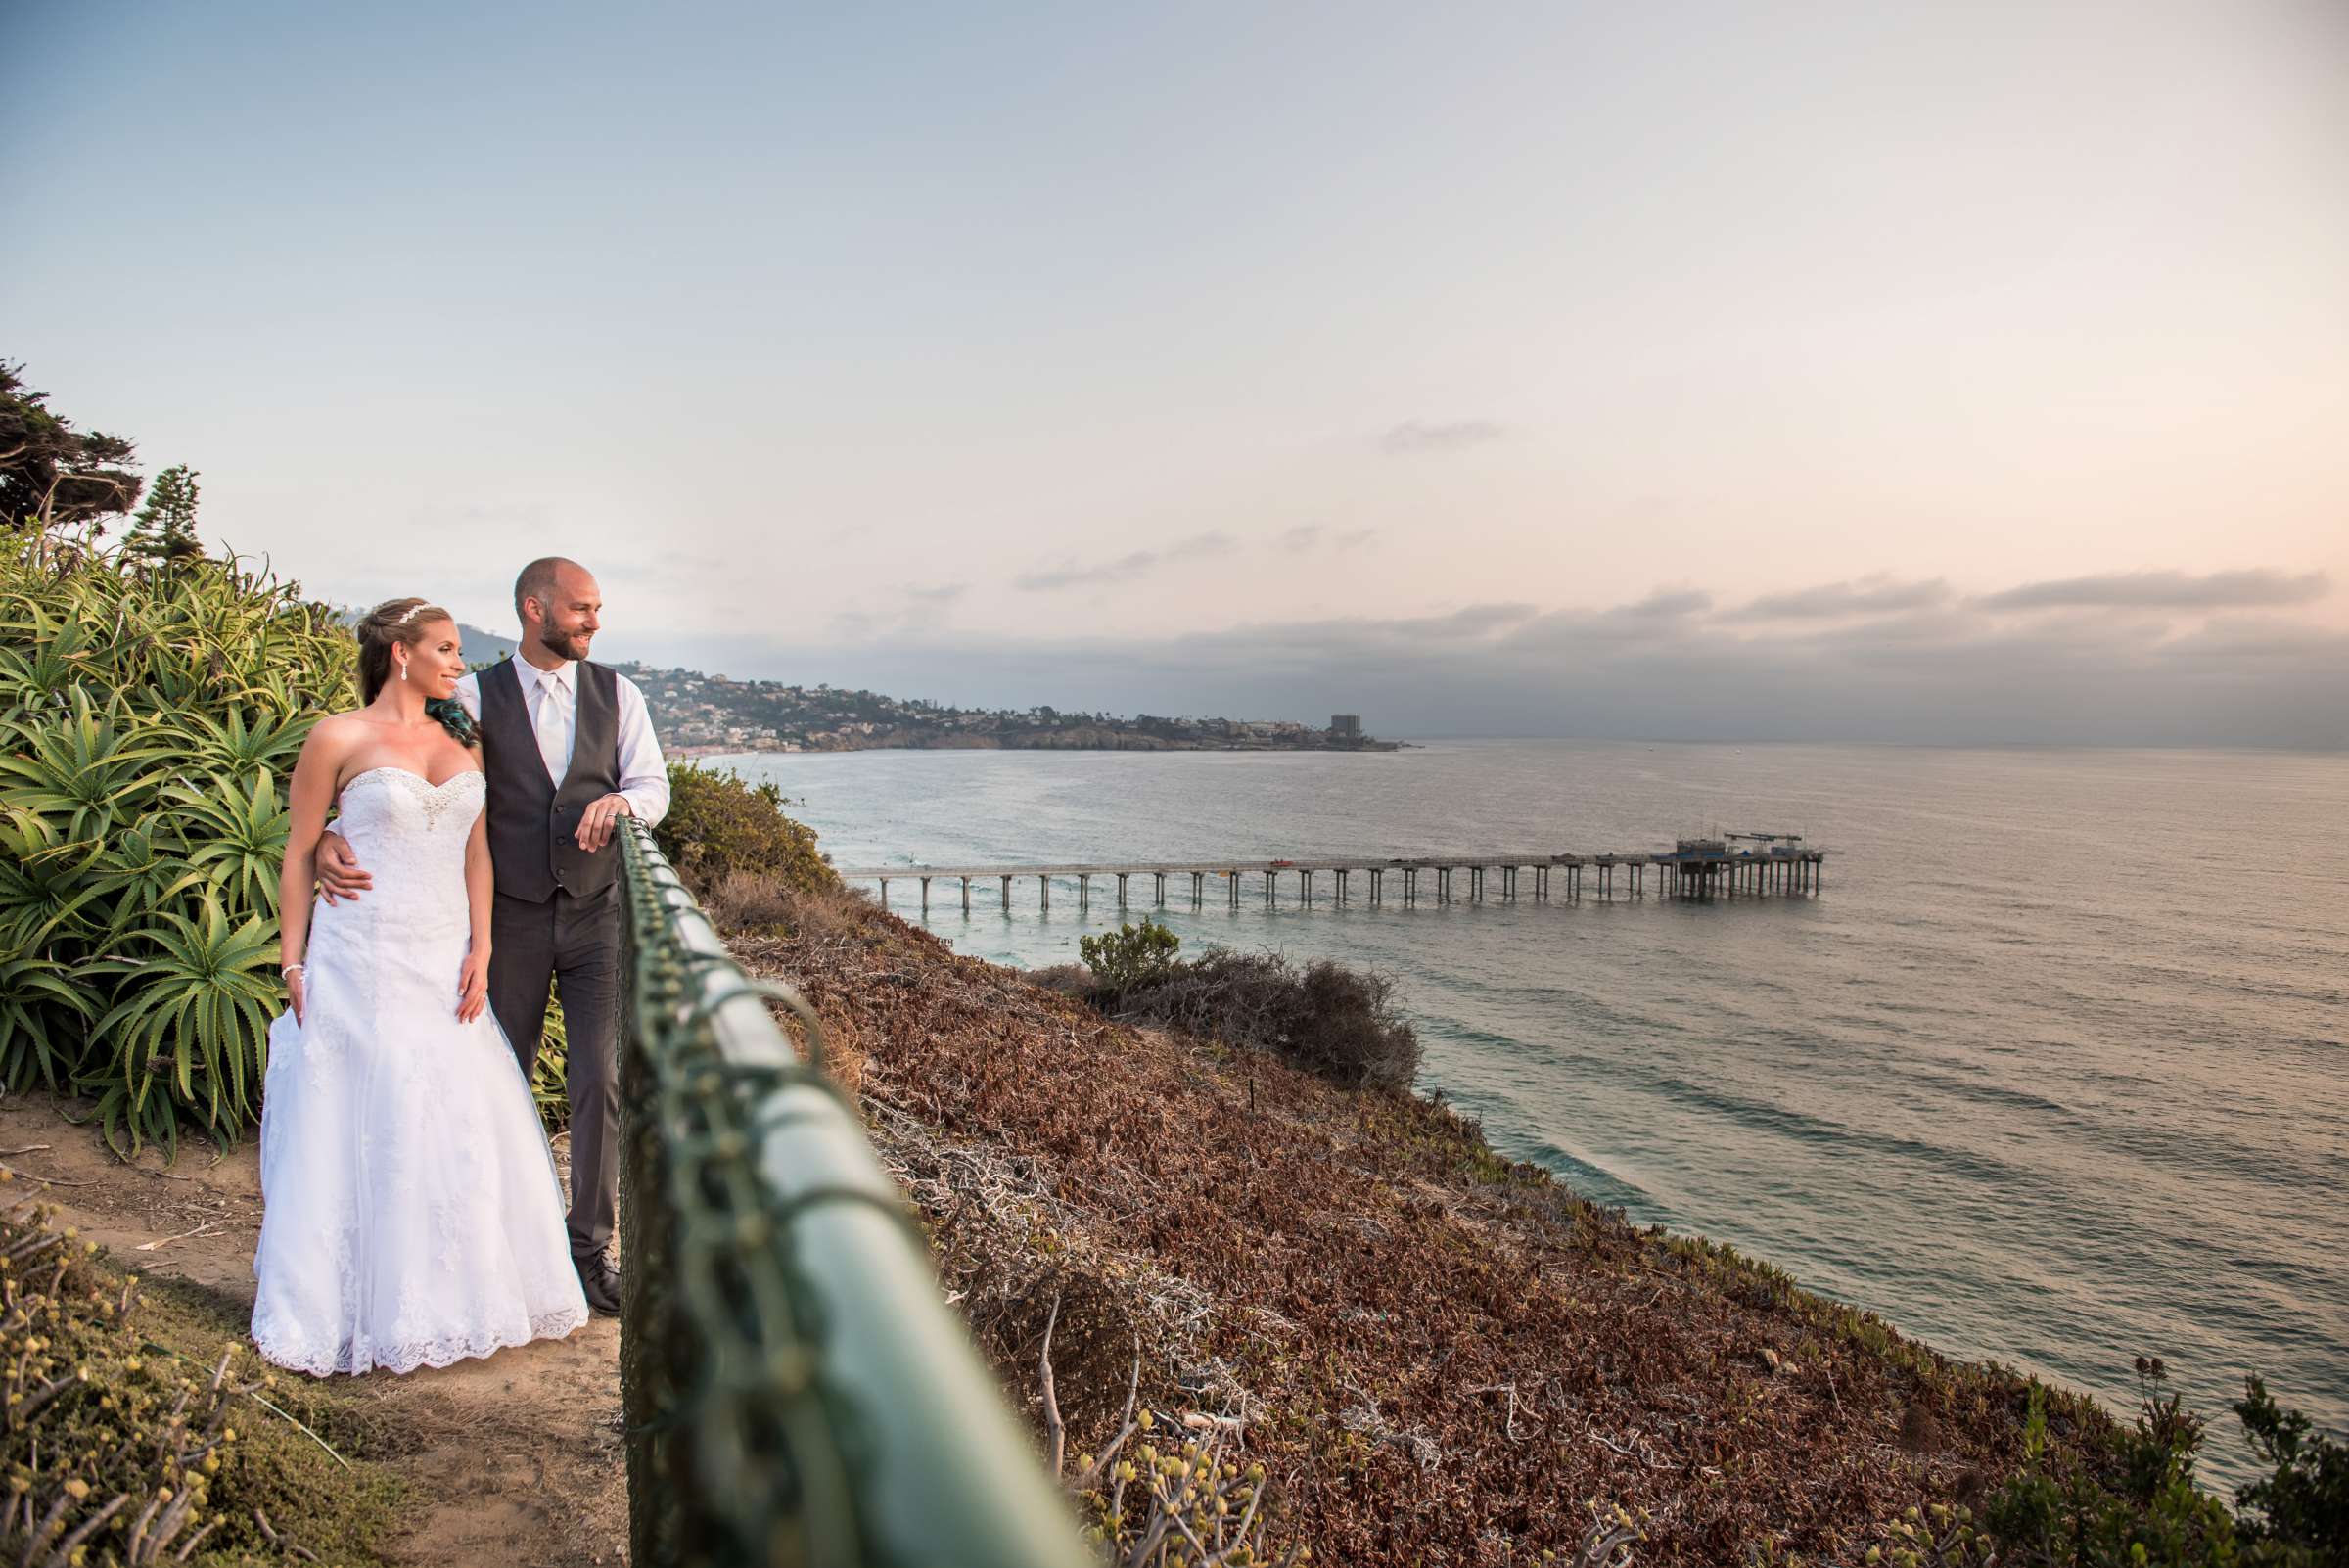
[[1063, 741]]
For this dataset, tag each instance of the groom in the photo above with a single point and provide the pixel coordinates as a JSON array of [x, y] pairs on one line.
[[568, 749]]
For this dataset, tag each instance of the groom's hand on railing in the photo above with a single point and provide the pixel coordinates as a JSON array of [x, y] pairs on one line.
[[339, 873], [597, 823]]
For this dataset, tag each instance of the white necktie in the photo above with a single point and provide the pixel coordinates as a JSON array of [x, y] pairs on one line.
[[553, 728]]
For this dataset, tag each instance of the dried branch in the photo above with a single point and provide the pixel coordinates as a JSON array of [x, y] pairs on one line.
[[1056, 1432]]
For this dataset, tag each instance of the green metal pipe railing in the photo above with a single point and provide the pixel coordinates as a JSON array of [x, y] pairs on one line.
[[796, 1391]]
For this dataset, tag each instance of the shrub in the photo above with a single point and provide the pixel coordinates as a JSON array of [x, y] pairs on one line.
[[2134, 1503], [1338, 1022], [759, 903], [141, 1428], [1130, 957], [147, 719], [750, 901], [2305, 1502], [1069, 980], [720, 823]]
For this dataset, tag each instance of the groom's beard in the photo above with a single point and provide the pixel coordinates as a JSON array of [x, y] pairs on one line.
[[570, 644]]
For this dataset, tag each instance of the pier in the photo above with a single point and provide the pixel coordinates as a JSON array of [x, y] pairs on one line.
[[1694, 868]]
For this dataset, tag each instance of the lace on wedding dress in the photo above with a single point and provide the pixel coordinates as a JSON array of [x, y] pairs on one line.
[[349, 1357]]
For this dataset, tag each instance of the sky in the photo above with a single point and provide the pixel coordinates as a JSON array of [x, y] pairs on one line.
[[1822, 370]]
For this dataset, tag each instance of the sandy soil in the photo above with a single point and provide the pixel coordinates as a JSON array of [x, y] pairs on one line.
[[514, 1460]]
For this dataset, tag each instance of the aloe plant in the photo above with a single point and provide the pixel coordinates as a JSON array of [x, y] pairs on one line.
[[148, 720], [42, 1014], [198, 1016], [266, 736], [235, 836], [86, 770]]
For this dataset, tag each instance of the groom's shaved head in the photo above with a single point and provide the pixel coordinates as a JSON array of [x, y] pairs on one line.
[[569, 607], [540, 578]]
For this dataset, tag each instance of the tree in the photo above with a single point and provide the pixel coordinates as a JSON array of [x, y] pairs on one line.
[[1131, 955], [165, 531], [52, 475]]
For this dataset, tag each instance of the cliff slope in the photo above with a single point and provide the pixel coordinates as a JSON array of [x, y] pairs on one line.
[[1439, 1355]]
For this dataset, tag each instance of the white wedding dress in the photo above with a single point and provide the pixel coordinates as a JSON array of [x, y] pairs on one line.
[[412, 1215]]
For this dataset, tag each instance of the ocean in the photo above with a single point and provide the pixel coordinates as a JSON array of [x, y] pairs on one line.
[[2050, 1070]]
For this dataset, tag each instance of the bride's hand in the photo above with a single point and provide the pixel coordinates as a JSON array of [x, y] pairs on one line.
[[297, 996], [472, 986]]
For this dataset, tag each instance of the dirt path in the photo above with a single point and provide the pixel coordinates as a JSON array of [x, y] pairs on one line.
[[514, 1460]]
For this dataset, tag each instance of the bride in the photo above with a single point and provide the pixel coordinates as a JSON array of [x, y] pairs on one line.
[[412, 1216]]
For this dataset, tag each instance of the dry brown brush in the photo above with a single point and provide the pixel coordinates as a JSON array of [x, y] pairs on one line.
[[1437, 1354]]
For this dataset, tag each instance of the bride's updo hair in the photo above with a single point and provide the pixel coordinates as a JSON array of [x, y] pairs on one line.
[[395, 621]]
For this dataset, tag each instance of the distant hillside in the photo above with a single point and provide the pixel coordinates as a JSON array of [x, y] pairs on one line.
[[484, 647], [699, 712]]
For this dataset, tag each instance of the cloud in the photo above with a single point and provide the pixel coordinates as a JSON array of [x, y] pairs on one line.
[[906, 612], [1666, 604], [856, 626], [1445, 436], [1865, 596], [1198, 546], [1313, 537], [1661, 667], [2236, 639], [1126, 568], [1470, 622], [2167, 591], [1118, 571]]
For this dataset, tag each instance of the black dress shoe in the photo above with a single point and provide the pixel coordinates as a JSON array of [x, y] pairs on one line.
[[599, 1280]]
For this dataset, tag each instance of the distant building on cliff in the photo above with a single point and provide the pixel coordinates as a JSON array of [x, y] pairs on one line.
[[1346, 726]]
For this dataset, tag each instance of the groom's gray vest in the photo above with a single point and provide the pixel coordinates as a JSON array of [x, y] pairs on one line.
[[533, 849]]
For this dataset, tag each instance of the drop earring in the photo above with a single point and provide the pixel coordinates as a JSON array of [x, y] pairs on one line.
[[403, 670]]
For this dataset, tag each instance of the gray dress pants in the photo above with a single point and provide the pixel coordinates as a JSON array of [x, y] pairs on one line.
[[572, 947]]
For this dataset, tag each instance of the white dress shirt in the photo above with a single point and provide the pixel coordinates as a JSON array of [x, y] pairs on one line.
[[552, 700]]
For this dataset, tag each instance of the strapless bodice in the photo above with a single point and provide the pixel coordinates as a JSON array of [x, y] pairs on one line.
[[409, 835]]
